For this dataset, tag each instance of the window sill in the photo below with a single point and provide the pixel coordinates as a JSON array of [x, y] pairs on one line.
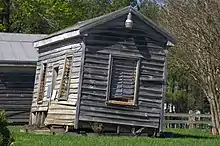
[[115, 102], [40, 101], [62, 99]]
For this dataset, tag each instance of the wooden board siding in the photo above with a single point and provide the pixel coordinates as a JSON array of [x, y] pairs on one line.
[[112, 38], [59, 112], [16, 88]]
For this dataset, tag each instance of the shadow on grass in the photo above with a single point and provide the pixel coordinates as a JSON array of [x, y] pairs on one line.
[[178, 135], [5, 136]]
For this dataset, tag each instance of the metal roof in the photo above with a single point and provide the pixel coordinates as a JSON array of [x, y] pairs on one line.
[[17, 47], [84, 25]]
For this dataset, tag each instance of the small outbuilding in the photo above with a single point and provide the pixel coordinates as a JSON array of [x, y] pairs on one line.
[[18, 59], [107, 74]]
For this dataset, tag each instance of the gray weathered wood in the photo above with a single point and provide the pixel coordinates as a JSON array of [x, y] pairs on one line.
[[109, 79], [117, 76], [76, 122], [16, 88]]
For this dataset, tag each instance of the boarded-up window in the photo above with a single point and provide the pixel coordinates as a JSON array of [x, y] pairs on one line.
[[42, 82], [123, 81], [64, 86]]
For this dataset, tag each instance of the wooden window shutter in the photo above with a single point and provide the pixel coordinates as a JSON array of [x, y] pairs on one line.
[[42, 82], [123, 81], [64, 85]]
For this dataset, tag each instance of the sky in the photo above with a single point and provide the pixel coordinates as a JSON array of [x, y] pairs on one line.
[[160, 2]]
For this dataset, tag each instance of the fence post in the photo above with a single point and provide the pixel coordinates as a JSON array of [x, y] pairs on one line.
[[191, 119]]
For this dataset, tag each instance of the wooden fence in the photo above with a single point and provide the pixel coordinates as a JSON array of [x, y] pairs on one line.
[[184, 120]]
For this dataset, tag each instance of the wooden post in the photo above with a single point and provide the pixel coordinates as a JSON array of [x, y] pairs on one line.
[[43, 116], [161, 127], [191, 119], [38, 119], [118, 130]]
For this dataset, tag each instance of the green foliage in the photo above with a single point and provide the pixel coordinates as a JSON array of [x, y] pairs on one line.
[[182, 90], [5, 136], [150, 9], [94, 9], [2, 26], [3, 120], [42, 16], [48, 16]]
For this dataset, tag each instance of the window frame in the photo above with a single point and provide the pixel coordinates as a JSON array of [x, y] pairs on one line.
[[54, 82], [109, 81]]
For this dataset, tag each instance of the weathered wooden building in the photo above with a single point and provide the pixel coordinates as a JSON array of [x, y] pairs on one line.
[[18, 59], [107, 73]]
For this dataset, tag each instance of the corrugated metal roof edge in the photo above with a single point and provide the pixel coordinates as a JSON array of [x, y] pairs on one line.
[[18, 63], [22, 34], [12, 33], [23, 38]]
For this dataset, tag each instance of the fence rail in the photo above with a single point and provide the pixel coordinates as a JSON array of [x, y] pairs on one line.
[[184, 120]]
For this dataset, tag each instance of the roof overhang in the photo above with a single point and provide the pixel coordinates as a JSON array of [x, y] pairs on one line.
[[170, 44], [56, 38]]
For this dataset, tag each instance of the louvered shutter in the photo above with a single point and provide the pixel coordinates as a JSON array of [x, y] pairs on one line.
[[63, 93], [123, 80], [42, 82]]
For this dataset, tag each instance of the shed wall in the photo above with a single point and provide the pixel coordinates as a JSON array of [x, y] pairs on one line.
[[59, 112], [112, 38], [16, 88]]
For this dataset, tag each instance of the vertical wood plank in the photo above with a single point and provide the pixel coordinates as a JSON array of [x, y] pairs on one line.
[[38, 118], [161, 127], [39, 81], [43, 116], [109, 77], [136, 89], [76, 123]]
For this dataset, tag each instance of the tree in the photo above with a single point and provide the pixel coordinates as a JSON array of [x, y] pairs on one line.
[[150, 9], [4, 15], [48, 16], [43, 16], [196, 25], [95, 8], [182, 90]]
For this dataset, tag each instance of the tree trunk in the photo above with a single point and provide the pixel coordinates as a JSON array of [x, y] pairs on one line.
[[215, 114]]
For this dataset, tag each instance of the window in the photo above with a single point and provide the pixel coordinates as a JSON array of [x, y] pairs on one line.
[[123, 81], [50, 90], [42, 82], [64, 86], [55, 74]]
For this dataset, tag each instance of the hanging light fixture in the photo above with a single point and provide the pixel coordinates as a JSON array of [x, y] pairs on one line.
[[129, 22]]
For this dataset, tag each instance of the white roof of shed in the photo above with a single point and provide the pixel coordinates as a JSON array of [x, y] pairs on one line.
[[17, 47]]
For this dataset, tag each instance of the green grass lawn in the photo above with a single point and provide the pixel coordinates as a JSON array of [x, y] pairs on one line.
[[183, 137]]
